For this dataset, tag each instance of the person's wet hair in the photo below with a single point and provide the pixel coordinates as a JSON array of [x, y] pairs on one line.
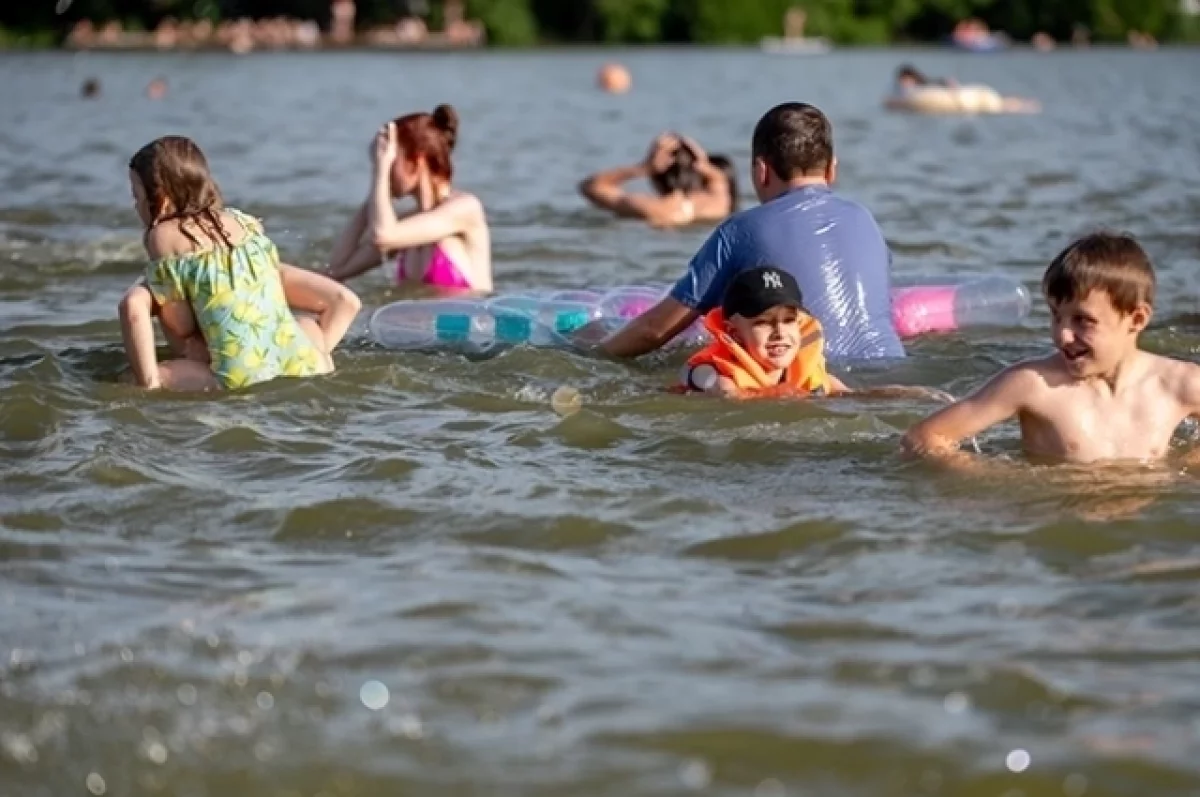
[[90, 88], [1111, 262], [908, 71], [725, 165], [431, 137], [681, 175], [174, 174], [794, 139]]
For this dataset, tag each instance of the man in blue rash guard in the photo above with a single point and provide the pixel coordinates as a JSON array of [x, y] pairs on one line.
[[831, 245]]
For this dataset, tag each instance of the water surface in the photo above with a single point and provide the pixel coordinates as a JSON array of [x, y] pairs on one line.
[[414, 577]]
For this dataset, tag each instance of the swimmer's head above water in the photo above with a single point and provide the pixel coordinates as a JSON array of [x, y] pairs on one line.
[[792, 146], [684, 175], [1100, 290], [169, 179], [908, 76], [426, 141]]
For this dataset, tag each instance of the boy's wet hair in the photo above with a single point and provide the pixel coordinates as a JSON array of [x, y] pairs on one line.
[[174, 172], [1106, 261], [910, 71]]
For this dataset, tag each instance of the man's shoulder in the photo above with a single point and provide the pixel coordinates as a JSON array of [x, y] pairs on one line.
[[851, 208], [824, 205]]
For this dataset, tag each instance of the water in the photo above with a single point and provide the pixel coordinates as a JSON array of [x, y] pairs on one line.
[[415, 577]]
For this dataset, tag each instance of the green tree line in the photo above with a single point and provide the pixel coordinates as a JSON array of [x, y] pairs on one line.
[[525, 22]]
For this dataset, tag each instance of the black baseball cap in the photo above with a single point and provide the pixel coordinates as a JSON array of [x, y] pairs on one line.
[[755, 291]]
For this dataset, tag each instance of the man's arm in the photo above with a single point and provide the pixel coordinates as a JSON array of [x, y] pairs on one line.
[[651, 330], [696, 293]]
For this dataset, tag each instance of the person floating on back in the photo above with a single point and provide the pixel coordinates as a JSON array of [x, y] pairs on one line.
[[1098, 397], [215, 281], [766, 345]]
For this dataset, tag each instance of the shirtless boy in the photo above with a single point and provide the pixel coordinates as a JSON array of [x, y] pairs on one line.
[[1098, 397]]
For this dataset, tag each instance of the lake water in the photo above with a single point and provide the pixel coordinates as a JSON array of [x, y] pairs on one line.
[[414, 577]]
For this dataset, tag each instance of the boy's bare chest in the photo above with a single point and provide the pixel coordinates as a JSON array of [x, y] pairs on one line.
[[1080, 425]]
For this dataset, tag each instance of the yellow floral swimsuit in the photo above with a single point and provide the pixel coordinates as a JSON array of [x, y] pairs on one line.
[[237, 297]]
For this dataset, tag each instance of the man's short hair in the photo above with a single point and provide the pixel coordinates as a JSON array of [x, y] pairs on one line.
[[794, 139]]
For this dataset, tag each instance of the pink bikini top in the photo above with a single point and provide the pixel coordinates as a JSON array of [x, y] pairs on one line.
[[441, 273]]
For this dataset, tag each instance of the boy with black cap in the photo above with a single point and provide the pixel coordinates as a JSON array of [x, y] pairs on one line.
[[765, 344]]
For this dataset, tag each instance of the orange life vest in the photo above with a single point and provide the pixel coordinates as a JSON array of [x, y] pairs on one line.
[[806, 374]]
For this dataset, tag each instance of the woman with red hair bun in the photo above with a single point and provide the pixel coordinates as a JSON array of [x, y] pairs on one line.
[[444, 242]]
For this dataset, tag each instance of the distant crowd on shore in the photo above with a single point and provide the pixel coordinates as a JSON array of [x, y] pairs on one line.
[[280, 33]]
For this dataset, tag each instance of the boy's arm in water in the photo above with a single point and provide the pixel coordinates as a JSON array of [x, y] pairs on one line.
[[938, 436], [335, 305], [839, 388]]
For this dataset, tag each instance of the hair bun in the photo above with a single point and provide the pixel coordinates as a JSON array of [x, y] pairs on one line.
[[446, 120]]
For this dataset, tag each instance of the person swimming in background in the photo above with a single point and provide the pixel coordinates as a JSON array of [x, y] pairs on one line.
[[223, 298], [444, 243], [690, 185], [766, 345], [1098, 396], [914, 91], [909, 77]]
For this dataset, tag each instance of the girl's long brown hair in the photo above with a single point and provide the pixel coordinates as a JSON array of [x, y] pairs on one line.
[[173, 168]]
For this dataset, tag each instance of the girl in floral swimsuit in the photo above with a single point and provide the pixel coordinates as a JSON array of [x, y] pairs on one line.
[[215, 280]]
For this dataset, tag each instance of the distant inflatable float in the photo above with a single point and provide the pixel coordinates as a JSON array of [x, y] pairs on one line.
[[970, 99], [556, 319]]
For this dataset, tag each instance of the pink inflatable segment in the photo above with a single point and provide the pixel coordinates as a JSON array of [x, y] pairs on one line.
[[919, 311]]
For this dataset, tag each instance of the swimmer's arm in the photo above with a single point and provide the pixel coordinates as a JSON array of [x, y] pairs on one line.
[[335, 305], [938, 436], [651, 330], [839, 388], [715, 181], [136, 311], [605, 192], [453, 217]]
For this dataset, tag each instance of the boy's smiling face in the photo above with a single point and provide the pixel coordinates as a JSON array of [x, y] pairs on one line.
[[1093, 336], [772, 338]]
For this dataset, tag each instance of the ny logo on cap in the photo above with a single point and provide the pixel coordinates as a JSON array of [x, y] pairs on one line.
[[771, 279]]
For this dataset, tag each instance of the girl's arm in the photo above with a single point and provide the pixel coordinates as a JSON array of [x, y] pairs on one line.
[[452, 217], [136, 311], [335, 305]]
